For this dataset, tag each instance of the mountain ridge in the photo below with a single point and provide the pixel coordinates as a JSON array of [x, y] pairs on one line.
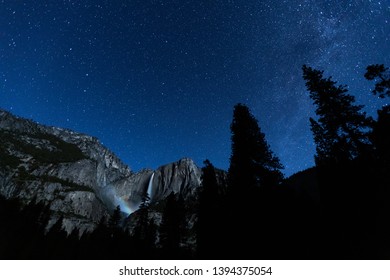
[[81, 180]]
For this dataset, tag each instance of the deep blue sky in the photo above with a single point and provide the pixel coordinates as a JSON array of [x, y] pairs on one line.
[[156, 81]]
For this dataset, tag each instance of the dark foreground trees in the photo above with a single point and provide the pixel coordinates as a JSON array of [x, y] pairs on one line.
[[208, 226], [172, 228], [348, 164]]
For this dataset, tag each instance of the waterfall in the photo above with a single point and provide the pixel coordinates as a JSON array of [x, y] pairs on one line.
[[124, 204], [149, 191]]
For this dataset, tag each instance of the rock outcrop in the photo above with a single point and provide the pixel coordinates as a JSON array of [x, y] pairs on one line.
[[77, 176]]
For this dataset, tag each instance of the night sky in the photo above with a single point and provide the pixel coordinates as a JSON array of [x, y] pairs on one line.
[[156, 81]]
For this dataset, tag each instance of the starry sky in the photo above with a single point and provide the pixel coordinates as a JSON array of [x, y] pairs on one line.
[[157, 80]]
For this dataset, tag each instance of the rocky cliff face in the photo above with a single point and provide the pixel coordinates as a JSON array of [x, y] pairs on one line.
[[77, 176], [179, 177]]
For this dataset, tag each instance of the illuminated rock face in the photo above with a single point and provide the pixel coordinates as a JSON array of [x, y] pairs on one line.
[[77, 176]]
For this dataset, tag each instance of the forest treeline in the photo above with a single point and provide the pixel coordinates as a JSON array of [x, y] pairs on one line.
[[257, 214]]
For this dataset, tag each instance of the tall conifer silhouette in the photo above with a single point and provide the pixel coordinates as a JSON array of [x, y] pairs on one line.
[[252, 163], [341, 130]]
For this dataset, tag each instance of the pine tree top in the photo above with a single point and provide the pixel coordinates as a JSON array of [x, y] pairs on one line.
[[252, 163], [341, 131]]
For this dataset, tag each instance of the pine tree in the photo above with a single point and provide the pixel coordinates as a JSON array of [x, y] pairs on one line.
[[55, 239], [172, 226], [209, 193], [344, 150], [143, 220], [114, 221], [207, 224], [341, 131], [380, 73], [144, 232], [252, 163], [381, 131], [253, 173], [102, 236], [381, 140]]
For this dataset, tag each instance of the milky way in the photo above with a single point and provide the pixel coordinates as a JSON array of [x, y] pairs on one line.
[[156, 81]]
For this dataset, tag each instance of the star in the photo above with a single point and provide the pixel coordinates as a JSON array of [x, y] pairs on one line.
[[142, 77]]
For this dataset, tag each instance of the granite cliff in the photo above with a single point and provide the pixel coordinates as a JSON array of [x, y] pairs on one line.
[[80, 179]]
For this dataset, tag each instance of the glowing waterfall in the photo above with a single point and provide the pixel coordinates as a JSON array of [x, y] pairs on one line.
[[149, 191], [124, 204]]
